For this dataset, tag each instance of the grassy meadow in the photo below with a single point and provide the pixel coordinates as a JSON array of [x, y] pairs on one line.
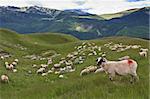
[[73, 86]]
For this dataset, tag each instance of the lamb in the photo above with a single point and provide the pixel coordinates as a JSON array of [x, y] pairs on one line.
[[123, 67], [4, 78]]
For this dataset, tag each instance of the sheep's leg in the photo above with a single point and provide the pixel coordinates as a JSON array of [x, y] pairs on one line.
[[111, 76], [134, 77]]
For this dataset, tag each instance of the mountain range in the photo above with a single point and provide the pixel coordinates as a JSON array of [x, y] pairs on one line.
[[83, 25]]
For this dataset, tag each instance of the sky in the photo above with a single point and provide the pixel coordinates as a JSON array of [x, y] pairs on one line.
[[92, 6]]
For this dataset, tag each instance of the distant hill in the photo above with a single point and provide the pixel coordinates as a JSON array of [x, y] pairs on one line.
[[75, 22]]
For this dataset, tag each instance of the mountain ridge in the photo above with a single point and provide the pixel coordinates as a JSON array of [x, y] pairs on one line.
[[83, 26]]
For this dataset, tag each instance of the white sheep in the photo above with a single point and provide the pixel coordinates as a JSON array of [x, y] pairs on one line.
[[143, 50], [44, 65], [14, 70], [84, 71], [61, 76], [44, 74], [143, 54], [9, 66], [4, 78], [49, 61], [88, 70], [40, 70], [14, 63], [16, 60], [57, 65], [123, 67]]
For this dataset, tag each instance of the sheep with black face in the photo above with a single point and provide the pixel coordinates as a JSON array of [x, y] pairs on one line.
[[123, 67]]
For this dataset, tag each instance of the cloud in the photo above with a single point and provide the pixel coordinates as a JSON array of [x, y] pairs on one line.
[[34, 3], [134, 0], [79, 2], [91, 6]]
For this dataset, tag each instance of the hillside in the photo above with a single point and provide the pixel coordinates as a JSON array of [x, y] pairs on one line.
[[74, 22], [25, 85], [46, 38], [119, 14]]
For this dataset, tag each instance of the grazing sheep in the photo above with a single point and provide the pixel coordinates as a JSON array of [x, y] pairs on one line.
[[34, 65], [84, 72], [16, 60], [143, 54], [143, 50], [61, 76], [2, 57], [44, 65], [14, 63], [9, 66], [14, 70], [50, 71], [4, 78], [49, 61], [88, 70], [44, 74], [41, 70], [56, 65], [123, 67]]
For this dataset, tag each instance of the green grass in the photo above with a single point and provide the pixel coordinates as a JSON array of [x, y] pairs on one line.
[[92, 86]]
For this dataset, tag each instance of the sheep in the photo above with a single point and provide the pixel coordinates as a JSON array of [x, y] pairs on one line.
[[14, 70], [40, 70], [16, 60], [84, 71], [92, 68], [9, 66], [14, 63], [49, 61], [123, 67], [88, 70], [143, 54], [61, 76], [2, 57], [50, 71], [4, 78], [143, 50], [57, 65], [44, 74], [44, 65], [34, 65]]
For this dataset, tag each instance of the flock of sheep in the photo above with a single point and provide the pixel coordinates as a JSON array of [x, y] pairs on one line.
[[67, 64]]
